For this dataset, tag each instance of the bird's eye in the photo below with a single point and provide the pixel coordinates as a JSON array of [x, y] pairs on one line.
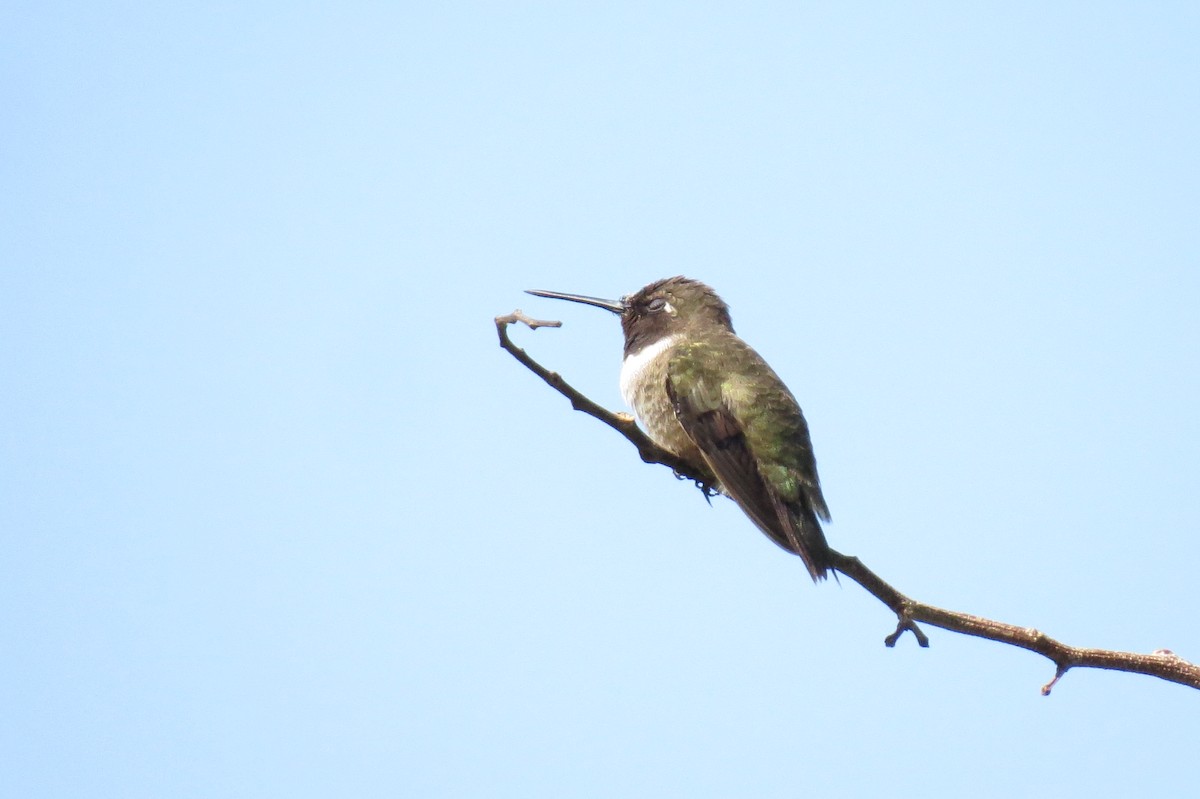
[[656, 304]]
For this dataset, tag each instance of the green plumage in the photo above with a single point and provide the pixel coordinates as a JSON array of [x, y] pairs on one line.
[[748, 428], [723, 371]]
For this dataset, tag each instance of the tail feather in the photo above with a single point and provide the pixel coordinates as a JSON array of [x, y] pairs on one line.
[[804, 536]]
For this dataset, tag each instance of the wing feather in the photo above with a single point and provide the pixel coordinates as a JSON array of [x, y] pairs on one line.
[[711, 425]]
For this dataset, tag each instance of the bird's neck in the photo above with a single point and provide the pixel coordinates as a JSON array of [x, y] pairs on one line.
[[633, 368]]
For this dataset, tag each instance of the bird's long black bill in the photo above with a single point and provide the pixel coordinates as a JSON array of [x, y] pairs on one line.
[[616, 306]]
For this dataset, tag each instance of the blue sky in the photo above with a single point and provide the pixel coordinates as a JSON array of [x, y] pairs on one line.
[[280, 519]]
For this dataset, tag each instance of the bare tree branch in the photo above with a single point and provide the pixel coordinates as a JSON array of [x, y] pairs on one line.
[[623, 423], [1163, 664]]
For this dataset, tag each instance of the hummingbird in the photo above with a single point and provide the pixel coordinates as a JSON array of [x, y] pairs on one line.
[[707, 397]]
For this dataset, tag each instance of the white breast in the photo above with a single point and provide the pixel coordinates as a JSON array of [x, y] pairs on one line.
[[635, 363]]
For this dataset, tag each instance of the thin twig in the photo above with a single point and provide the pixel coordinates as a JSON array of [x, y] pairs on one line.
[[623, 423], [1163, 663]]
